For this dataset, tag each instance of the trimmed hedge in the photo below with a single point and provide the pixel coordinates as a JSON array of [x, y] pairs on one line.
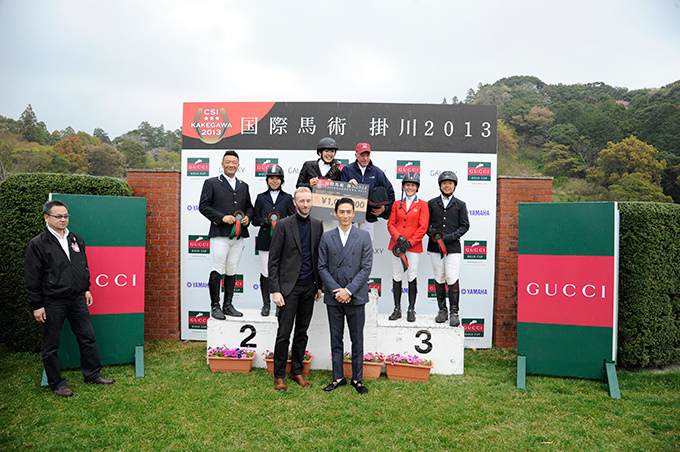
[[649, 284], [21, 199]]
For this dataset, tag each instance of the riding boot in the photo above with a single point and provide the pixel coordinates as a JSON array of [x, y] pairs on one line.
[[412, 294], [264, 288], [440, 290], [214, 289], [454, 297], [227, 306], [396, 289]]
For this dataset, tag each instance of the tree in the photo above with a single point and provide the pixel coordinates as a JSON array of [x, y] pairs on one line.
[[35, 158], [508, 142], [31, 129], [559, 161], [8, 142], [71, 148], [10, 125], [87, 139], [626, 157], [492, 95], [103, 136], [168, 160], [585, 152], [566, 134], [104, 160], [636, 187], [470, 96], [68, 131], [135, 155]]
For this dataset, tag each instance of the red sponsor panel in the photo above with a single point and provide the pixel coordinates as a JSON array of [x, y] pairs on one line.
[[116, 279], [566, 290], [221, 118]]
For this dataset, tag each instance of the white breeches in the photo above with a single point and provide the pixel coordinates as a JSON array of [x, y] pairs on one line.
[[446, 269], [226, 254]]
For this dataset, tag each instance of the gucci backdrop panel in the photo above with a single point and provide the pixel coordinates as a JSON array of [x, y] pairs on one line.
[[427, 139], [114, 230], [567, 301]]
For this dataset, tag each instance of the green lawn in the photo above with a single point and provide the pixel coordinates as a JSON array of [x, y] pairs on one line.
[[181, 406]]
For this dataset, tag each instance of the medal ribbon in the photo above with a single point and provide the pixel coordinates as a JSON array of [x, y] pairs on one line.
[[273, 218], [438, 237], [397, 251], [236, 228]]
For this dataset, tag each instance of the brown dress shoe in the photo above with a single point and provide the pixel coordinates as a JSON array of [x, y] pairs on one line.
[[101, 381], [301, 380], [279, 384], [63, 391]]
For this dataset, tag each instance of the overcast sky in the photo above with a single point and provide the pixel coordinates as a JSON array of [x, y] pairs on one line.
[[115, 64]]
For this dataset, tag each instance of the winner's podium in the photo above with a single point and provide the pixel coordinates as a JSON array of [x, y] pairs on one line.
[[438, 342]]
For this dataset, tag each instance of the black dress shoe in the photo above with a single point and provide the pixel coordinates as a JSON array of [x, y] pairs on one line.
[[101, 381], [361, 389], [335, 385]]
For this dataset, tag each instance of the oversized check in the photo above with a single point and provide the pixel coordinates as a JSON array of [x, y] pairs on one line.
[[325, 197]]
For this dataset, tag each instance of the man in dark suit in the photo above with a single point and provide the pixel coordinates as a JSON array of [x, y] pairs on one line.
[[345, 262], [225, 201], [295, 284]]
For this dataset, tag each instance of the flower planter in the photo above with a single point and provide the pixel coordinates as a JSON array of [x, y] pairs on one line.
[[409, 372], [224, 364], [371, 369], [306, 365]]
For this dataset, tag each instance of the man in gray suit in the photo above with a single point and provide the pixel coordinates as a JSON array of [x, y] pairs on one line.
[[295, 285], [345, 261]]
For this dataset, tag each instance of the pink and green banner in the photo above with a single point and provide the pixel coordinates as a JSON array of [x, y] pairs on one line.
[[567, 288], [114, 230]]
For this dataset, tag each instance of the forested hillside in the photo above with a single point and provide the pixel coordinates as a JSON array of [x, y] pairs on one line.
[[599, 142], [27, 146]]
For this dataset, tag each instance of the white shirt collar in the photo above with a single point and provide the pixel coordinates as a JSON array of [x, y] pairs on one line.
[[63, 241], [344, 236]]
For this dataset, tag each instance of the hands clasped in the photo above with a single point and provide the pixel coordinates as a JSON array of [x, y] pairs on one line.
[[342, 296]]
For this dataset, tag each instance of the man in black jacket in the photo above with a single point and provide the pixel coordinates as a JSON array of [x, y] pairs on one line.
[[295, 284], [57, 282], [225, 201], [448, 223]]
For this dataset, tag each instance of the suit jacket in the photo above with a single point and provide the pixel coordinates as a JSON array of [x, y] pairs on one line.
[[346, 267], [263, 207], [311, 169], [285, 254], [219, 199]]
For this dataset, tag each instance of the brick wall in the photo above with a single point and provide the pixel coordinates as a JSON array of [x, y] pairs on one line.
[[162, 294], [511, 192]]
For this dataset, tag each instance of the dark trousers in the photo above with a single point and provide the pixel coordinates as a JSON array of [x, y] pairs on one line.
[[75, 310], [356, 316], [297, 310]]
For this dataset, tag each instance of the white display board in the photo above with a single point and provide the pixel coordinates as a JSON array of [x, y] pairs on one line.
[[477, 175]]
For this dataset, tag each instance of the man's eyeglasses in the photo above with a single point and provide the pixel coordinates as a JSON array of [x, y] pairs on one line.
[[59, 217]]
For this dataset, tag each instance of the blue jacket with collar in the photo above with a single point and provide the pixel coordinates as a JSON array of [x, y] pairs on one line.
[[373, 177]]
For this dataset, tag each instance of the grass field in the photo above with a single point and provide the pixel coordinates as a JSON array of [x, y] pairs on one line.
[[181, 406]]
